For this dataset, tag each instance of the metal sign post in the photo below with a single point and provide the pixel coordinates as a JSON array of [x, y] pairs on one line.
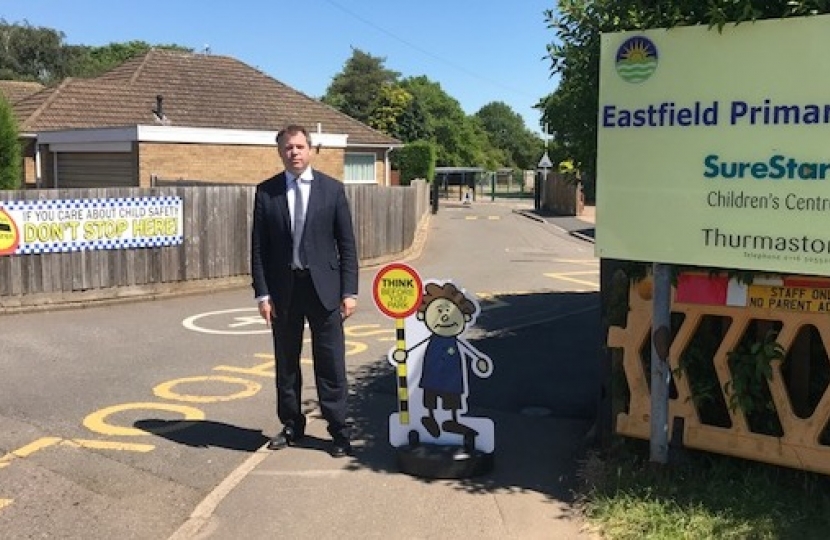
[[660, 371]]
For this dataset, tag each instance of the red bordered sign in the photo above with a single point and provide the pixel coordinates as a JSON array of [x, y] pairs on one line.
[[397, 290]]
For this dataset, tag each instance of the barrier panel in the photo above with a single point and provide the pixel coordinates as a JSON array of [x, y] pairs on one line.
[[720, 328]]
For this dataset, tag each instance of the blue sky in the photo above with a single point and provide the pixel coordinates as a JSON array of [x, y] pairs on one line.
[[478, 51]]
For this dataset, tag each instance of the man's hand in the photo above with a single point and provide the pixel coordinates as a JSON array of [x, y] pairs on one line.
[[348, 307], [265, 310]]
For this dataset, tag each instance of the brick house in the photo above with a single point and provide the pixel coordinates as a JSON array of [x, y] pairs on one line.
[[173, 116]]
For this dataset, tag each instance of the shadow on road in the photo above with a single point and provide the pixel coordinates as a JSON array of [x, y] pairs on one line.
[[542, 395], [204, 433]]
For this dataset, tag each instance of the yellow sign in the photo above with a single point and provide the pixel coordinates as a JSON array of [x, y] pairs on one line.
[[9, 235], [711, 148], [805, 299], [397, 290]]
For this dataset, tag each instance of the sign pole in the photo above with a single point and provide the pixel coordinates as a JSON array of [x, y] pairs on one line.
[[398, 290], [660, 372], [402, 372]]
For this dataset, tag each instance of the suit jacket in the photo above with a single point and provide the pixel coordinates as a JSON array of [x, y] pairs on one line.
[[328, 240]]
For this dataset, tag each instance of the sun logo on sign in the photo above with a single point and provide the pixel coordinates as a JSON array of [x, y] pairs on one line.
[[636, 59]]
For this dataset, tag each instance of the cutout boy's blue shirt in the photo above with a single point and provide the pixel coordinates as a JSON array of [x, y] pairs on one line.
[[443, 366]]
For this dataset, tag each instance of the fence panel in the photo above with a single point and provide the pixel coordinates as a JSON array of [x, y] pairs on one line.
[[216, 227]]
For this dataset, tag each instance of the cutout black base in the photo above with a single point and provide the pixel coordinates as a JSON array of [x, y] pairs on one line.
[[442, 461]]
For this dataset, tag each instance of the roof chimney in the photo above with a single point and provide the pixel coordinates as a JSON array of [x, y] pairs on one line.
[[159, 110]]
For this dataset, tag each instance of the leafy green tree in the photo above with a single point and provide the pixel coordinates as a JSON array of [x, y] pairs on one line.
[[412, 123], [390, 104], [84, 61], [508, 133], [571, 111], [417, 160], [11, 159], [356, 90], [31, 53], [460, 139]]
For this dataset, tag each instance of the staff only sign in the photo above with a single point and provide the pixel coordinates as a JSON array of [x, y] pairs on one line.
[[712, 146], [52, 226]]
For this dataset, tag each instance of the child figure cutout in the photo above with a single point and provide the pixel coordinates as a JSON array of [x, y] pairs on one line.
[[439, 360]]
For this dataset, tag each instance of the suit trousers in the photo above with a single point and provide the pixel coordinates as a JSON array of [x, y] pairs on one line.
[[328, 352]]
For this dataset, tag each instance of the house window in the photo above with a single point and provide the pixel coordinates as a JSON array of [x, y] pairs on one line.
[[360, 169]]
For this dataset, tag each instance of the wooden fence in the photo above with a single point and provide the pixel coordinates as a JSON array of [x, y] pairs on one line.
[[562, 196], [215, 247]]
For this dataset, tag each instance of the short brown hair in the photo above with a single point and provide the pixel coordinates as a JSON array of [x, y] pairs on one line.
[[293, 129], [433, 291]]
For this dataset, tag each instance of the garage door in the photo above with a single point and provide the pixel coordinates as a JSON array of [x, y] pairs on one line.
[[96, 169]]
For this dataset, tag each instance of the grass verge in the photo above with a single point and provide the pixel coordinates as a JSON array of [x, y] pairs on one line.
[[700, 496]]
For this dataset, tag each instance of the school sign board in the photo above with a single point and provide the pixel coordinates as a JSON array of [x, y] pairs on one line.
[[714, 147]]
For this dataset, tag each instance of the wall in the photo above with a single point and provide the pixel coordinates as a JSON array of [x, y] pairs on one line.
[[219, 164], [231, 164]]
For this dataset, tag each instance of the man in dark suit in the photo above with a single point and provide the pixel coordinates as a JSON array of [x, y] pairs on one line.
[[304, 268]]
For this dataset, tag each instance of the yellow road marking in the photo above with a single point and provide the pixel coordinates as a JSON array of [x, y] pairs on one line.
[[46, 442], [266, 369], [586, 262], [29, 449], [108, 445], [567, 277], [271, 356], [355, 347], [97, 421], [366, 330], [165, 389], [5, 502]]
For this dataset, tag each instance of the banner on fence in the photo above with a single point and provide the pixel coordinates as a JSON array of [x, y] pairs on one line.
[[53, 226]]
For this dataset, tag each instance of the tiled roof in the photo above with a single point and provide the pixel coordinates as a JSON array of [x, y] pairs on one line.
[[198, 91], [14, 91]]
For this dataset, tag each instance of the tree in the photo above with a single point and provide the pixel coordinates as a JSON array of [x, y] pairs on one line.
[[84, 61], [460, 140], [11, 158], [571, 111], [356, 90], [417, 160], [507, 132], [31, 53], [412, 123], [389, 105]]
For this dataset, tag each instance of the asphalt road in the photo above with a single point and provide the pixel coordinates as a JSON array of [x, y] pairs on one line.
[[117, 420]]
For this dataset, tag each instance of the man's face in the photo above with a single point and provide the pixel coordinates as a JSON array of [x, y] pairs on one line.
[[295, 153]]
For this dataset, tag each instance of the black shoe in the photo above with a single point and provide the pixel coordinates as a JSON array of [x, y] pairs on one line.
[[286, 437], [341, 448]]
